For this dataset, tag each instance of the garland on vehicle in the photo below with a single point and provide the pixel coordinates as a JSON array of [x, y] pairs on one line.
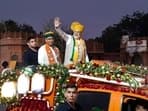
[[113, 72], [61, 73], [6, 77], [57, 71]]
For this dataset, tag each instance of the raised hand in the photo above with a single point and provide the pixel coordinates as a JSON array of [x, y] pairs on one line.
[[57, 22]]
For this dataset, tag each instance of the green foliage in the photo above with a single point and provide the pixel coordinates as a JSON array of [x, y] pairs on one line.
[[111, 39], [9, 101], [56, 71], [137, 70], [60, 73], [8, 76], [12, 26], [27, 28], [110, 72], [85, 68]]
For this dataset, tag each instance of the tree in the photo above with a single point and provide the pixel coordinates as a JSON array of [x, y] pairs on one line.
[[111, 39], [135, 25], [2, 27], [26, 28], [12, 26]]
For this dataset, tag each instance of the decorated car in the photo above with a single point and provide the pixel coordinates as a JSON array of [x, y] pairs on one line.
[[102, 86]]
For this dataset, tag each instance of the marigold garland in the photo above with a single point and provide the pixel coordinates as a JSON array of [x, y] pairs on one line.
[[58, 71]]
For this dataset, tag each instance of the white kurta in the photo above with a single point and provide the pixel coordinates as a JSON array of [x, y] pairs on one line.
[[69, 47], [43, 57]]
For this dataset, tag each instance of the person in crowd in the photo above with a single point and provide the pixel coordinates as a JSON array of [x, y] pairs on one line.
[[49, 53], [5, 67], [70, 99], [75, 45], [31, 54]]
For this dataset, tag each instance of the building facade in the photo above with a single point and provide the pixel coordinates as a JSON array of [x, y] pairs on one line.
[[12, 46], [134, 50]]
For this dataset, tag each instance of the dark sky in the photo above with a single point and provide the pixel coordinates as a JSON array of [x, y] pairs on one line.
[[96, 15]]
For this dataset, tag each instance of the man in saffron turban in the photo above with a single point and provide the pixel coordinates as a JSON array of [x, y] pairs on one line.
[[75, 45]]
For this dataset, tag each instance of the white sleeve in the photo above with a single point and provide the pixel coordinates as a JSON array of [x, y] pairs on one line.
[[61, 33]]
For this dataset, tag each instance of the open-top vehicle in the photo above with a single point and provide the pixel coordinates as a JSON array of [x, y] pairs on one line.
[[102, 86]]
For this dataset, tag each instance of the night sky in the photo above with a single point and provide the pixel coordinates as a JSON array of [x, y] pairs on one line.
[[96, 15]]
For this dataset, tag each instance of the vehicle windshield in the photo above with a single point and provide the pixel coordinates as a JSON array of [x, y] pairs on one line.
[[93, 101]]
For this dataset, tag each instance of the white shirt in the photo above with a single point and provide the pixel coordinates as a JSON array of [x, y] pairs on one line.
[[43, 57]]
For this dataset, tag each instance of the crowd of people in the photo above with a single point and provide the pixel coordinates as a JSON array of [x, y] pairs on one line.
[[48, 53]]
